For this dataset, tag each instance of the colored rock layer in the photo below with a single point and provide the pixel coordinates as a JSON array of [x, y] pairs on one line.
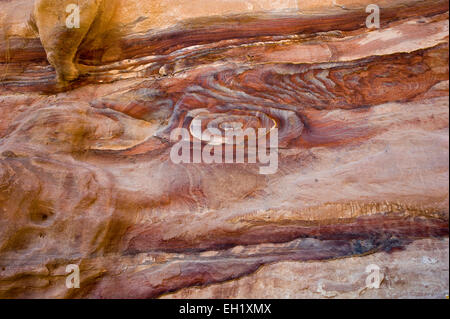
[[86, 176]]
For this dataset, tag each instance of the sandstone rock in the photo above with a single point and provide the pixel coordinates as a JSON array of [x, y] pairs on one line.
[[86, 175]]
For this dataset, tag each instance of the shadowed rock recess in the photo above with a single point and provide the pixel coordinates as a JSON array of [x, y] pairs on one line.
[[86, 176]]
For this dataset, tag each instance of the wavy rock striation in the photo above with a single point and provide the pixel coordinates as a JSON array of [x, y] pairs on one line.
[[86, 176]]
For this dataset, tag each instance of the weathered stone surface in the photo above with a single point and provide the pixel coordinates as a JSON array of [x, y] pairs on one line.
[[86, 176]]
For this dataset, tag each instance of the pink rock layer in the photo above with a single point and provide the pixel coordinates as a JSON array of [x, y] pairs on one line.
[[86, 176]]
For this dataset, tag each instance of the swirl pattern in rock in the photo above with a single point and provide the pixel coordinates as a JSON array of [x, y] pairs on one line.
[[362, 114]]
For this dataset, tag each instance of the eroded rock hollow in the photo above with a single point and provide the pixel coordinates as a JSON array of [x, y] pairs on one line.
[[87, 177]]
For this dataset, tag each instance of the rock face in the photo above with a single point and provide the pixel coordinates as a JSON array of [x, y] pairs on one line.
[[87, 177]]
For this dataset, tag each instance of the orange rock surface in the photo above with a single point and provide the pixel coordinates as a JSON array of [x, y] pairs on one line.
[[86, 176]]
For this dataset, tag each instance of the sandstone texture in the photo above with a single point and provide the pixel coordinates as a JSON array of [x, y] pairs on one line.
[[86, 176]]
